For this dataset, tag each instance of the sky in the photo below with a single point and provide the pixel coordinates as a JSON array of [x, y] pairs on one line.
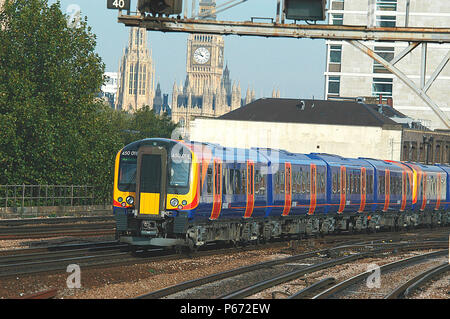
[[294, 66]]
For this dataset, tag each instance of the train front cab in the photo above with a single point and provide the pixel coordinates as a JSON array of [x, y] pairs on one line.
[[160, 177]]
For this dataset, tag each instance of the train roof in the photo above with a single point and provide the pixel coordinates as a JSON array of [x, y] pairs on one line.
[[382, 164], [332, 159], [428, 168], [282, 156], [444, 167]]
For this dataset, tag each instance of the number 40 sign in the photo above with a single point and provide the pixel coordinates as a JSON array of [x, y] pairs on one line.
[[119, 4]]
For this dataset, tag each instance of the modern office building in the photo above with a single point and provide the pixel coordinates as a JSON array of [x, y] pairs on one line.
[[350, 73]]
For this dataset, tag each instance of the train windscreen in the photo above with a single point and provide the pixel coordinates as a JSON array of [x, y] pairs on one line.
[[179, 168], [127, 174]]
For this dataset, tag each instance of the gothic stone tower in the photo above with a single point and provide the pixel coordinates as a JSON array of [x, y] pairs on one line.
[[207, 91], [136, 85]]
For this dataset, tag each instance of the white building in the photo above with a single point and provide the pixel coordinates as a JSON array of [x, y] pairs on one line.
[[109, 89], [345, 128], [350, 73]]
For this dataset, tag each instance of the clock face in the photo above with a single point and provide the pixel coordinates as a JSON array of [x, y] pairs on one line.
[[202, 55]]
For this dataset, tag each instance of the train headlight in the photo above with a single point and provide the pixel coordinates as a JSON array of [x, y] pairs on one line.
[[120, 199], [130, 200], [174, 202], [184, 202]]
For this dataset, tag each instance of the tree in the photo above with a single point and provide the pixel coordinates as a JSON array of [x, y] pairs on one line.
[[50, 124], [144, 123], [52, 128]]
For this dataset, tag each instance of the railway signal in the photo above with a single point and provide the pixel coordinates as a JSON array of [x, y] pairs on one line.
[[166, 7], [313, 10]]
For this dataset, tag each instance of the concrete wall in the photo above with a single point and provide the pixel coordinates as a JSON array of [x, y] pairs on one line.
[[348, 141]]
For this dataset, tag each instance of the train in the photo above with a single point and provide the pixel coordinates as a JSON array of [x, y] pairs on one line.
[[175, 193]]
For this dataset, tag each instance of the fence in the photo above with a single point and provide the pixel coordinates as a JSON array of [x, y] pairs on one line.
[[45, 198]]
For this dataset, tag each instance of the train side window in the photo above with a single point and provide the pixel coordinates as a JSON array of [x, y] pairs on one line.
[[226, 185], [322, 183], [370, 184], [334, 184], [260, 182], [308, 182], [349, 183], [236, 181], [302, 180], [244, 180], [381, 184], [209, 180]]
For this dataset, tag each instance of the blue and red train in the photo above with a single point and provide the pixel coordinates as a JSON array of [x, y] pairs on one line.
[[170, 193]]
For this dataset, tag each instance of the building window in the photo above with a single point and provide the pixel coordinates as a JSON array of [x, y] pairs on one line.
[[335, 53], [386, 53], [337, 19], [386, 21], [387, 5], [130, 79], [337, 5], [334, 83], [382, 86], [335, 58], [142, 79]]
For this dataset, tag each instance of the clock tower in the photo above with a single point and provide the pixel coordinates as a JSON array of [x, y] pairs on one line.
[[205, 53], [208, 90]]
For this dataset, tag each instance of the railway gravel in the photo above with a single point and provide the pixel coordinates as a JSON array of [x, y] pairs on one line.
[[135, 280], [438, 289], [340, 273]]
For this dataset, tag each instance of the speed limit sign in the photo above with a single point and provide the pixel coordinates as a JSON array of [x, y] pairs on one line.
[[119, 4]]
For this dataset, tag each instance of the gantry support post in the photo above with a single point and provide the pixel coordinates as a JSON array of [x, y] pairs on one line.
[[419, 91]]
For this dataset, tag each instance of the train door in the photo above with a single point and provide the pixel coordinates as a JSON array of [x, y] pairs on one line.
[[250, 189], [438, 190], [424, 191], [313, 200], [217, 189], [404, 190], [287, 189], [363, 190], [151, 180], [343, 189], [387, 189]]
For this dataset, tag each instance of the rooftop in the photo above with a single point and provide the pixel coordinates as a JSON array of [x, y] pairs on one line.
[[311, 112]]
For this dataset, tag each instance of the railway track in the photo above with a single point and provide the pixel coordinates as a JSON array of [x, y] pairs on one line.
[[418, 281], [56, 230], [361, 278], [37, 260], [41, 260], [54, 220], [274, 272]]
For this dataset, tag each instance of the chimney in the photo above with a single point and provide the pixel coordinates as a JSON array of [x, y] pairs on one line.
[[390, 102]]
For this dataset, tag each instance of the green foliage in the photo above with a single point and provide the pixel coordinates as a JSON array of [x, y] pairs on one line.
[[52, 130], [144, 123]]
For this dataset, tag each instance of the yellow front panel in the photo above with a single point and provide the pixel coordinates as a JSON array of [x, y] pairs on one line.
[[149, 204]]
